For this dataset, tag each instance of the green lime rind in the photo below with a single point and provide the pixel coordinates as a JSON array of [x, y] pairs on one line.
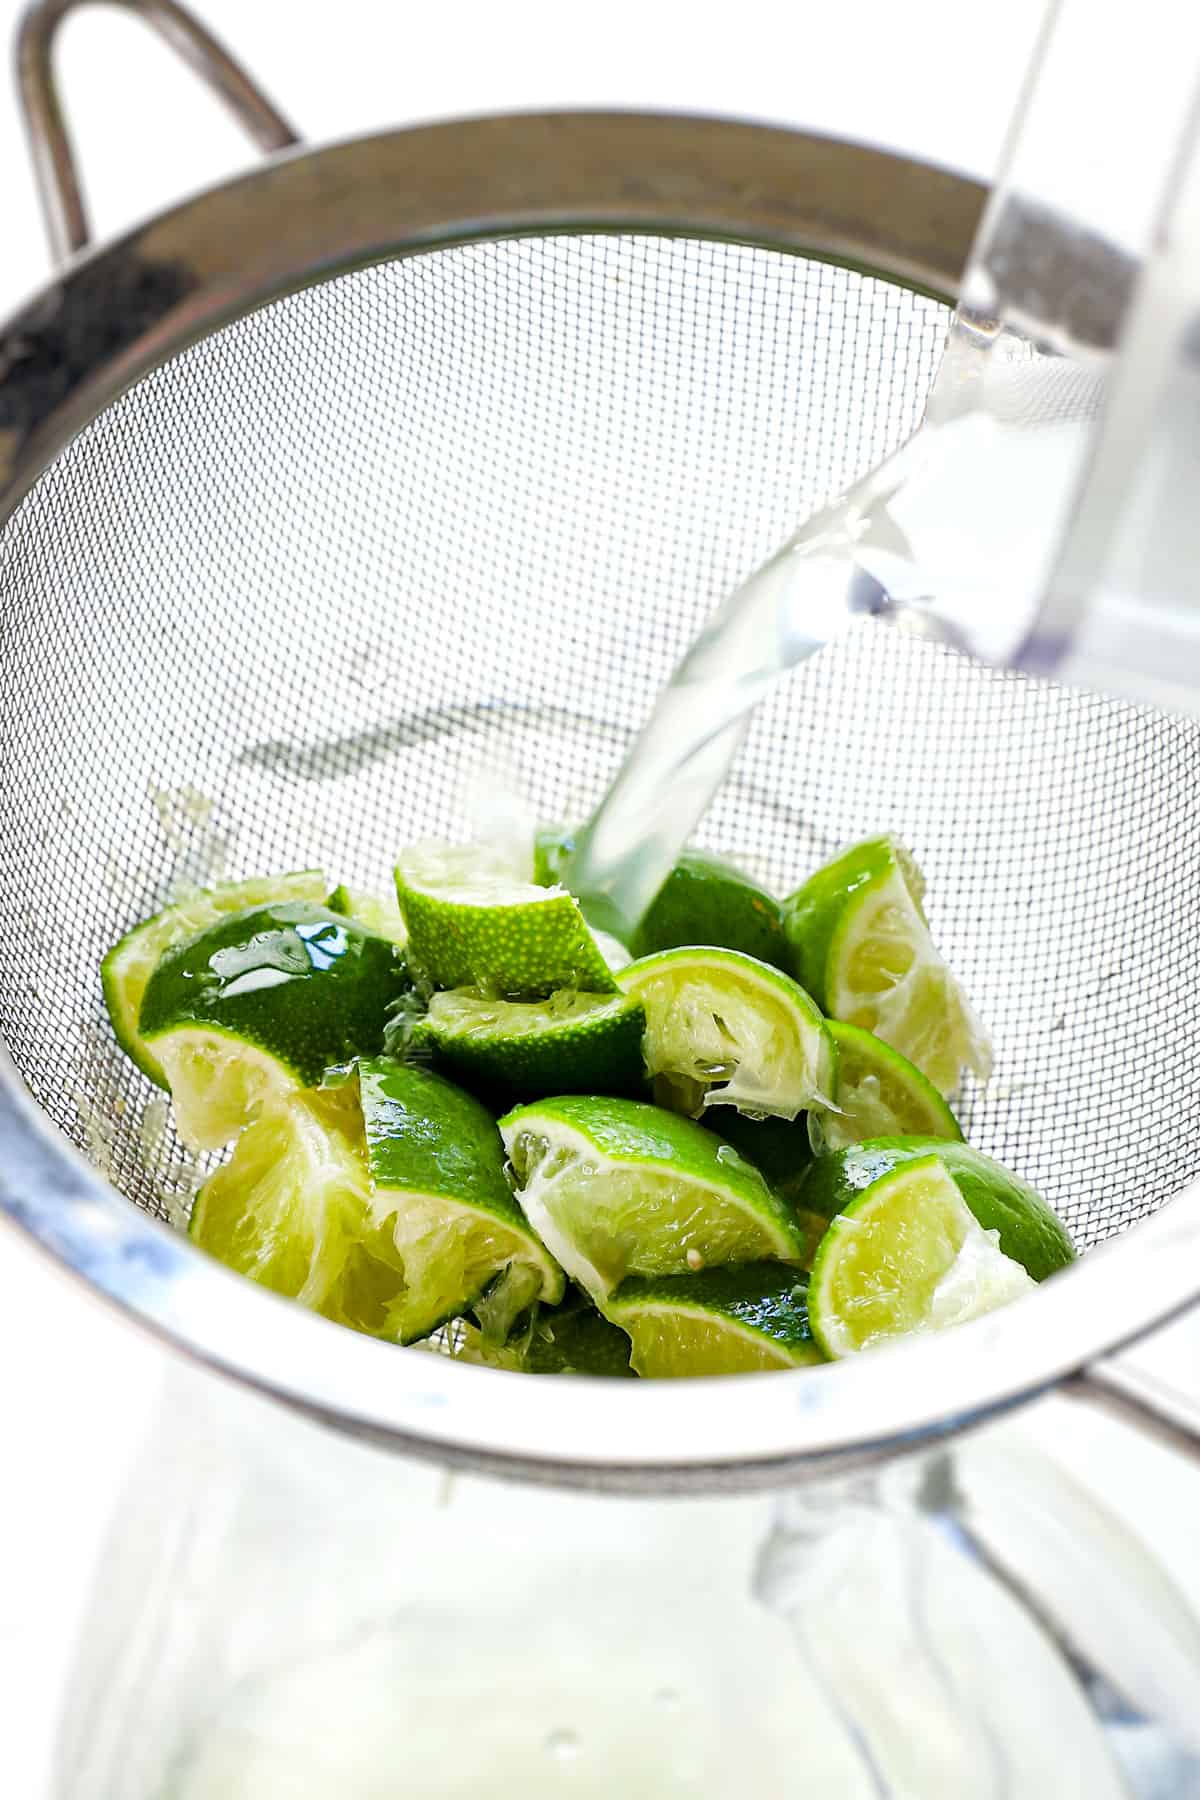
[[725, 1029], [570, 1339], [707, 901], [128, 966], [879, 1093], [289, 1204], [727, 1321], [617, 1187], [811, 915], [570, 1043], [1031, 1233], [704, 900], [305, 985], [444, 1227], [470, 924], [425, 1133], [377, 912]]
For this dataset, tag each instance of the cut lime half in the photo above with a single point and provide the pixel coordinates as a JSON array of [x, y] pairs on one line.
[[617, 1187], [444, 1232], [127, 968], [907, 1255], [725, 1030], [1031, 1233], [570, 1043], [470, 924], [730, 1321], [259, 1005], [289, 1204], [862, 948], [879, 1094]]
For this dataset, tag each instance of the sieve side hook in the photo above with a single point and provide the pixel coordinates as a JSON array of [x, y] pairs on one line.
[[1165, 1413], [55, 167]]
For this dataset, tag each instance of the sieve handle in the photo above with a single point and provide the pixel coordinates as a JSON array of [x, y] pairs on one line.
[[54, 163], [1136, 1397]]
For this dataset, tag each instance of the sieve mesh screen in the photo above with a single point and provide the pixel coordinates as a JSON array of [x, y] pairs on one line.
[[462, 512]]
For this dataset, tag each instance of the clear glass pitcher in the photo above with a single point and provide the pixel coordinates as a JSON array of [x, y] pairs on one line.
[[285, 1609], [282, 1614]]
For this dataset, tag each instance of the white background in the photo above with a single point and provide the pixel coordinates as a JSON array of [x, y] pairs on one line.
[[926, 77]]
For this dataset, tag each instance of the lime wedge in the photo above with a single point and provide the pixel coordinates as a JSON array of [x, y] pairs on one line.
[[879, 1094], [907, 1255], [727, 1321], [470, 924], [289, 1204], [861, 946], [704, 900], [129, 965], [616, 1187], [723, 1029], [258, 1005], [571, 1043], [571, 1339], [444, 1233], [1030, 1231], [376, 912]]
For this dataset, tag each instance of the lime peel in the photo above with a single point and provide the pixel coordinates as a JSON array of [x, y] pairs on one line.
[[280, 991], [1030, 1230], [704, 900], [471, 924]]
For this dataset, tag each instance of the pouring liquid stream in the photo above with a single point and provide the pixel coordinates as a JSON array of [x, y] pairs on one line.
[[948, 538]]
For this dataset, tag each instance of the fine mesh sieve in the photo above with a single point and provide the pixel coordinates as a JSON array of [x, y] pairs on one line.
[[294, 591]]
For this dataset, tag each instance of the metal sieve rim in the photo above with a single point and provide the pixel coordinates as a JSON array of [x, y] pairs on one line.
[[113, 314], [714, 1434]]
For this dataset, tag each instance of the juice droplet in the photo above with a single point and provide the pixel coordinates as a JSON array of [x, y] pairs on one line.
[[562, 1745]]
